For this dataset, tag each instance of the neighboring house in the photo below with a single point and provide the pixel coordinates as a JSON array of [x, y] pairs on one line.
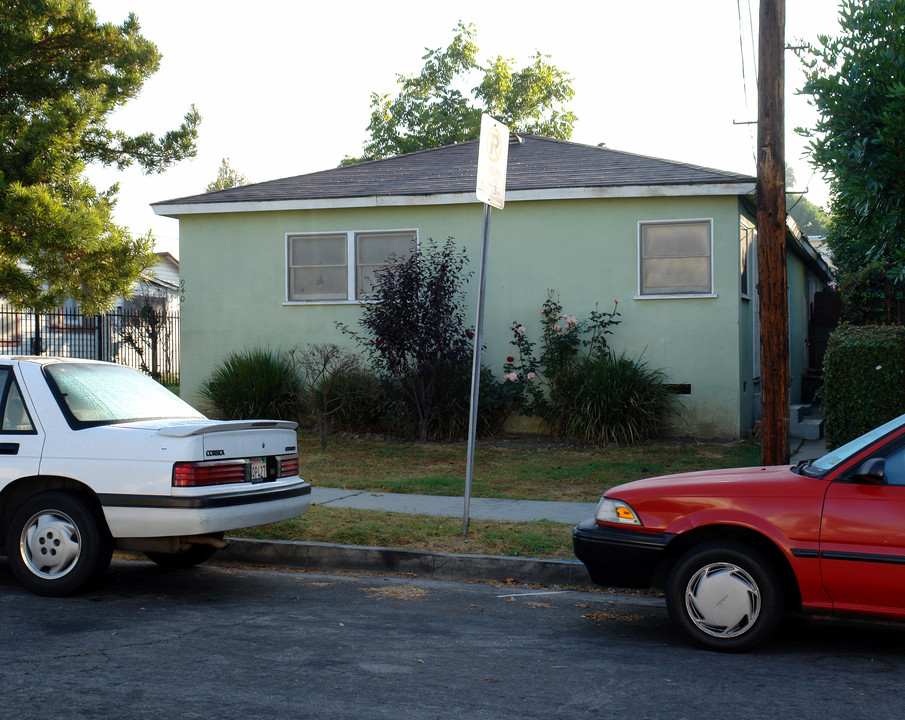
[[277, 264], [160, 289], [126, 334]]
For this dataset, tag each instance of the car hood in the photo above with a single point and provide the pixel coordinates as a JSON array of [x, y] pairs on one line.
[[716, 483]]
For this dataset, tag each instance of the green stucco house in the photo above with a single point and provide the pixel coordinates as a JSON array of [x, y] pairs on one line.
[[277, 263]]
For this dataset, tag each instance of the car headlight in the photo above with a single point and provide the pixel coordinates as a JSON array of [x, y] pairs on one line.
[[615, 511]]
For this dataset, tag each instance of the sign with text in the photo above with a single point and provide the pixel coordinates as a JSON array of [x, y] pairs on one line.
[[493, 154]]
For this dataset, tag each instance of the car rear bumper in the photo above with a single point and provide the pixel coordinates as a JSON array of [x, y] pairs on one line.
[[619, 557], [164, 516]]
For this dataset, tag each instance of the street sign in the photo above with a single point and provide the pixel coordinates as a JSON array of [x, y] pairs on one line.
[[493, 154]]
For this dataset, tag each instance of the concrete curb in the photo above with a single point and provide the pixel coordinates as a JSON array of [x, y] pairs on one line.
[[325, 557]]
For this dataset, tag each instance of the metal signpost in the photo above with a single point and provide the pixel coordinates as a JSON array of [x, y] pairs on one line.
[[493, 154]]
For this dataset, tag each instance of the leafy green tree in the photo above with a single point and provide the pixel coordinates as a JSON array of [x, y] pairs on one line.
[[227, 177], [61, 75], [810, 218], [857, 83], [431, 109]]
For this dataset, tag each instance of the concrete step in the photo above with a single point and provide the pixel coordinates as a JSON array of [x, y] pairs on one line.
[[807, 428]]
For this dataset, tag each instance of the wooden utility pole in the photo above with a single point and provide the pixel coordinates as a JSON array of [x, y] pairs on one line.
[[771, 237]]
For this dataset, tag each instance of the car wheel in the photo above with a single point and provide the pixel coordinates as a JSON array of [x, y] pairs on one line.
[[195, 555], [57, 544], [725, 596]]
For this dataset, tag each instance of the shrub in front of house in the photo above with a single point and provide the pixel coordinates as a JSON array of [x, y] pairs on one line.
[[582, 389], [451, 408], [255, 383], [363, 402], [612, 399], [338, 387], [419, 345], [863, 379]]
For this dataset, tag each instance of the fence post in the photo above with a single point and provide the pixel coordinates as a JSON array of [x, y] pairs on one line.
[[99, 337], [36, 348]]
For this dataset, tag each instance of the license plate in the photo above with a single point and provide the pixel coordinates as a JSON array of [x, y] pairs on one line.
[[258, 469]]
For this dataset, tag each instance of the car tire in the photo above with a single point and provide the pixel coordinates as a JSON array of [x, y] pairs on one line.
[[57, 544], [725, 596], [195, 555]]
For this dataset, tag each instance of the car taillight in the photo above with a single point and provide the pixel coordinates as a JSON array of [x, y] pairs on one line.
[[289, 465], [198, 474]]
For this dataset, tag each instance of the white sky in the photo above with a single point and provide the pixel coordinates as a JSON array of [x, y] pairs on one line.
[[284, 86]]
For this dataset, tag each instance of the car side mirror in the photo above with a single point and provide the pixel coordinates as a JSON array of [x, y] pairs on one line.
[[873, 470]]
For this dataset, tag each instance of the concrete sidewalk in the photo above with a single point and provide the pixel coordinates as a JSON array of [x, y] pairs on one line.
[[807, 449], [479, 508]]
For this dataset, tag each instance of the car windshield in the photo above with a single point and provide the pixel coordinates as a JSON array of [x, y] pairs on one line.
[[833, 458], [95, 394]]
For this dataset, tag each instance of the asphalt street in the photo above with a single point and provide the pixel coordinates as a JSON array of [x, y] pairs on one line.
[[241, 642]]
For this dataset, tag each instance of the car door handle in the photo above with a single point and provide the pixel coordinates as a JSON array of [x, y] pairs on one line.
[[9, 448]]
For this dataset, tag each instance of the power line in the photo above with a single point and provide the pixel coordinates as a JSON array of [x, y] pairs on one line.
[[741, 43]]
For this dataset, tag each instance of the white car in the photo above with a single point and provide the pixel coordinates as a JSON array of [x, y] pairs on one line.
[[96, 456]]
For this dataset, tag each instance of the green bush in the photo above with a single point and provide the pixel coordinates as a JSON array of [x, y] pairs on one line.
[[364, 401], [612, 399], [864, 379], [451, 401], [255, 383], [580, 387]]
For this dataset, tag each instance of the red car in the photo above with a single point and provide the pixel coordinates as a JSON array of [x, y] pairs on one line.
[[734, 549]]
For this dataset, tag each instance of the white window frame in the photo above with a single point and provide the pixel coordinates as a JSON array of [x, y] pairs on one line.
[[351, 264], [641, 295], [747, 253]]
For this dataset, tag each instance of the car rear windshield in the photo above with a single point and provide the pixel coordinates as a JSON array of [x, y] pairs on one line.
[[94, 394]]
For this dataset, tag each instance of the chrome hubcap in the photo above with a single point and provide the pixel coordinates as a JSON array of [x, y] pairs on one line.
[[50, 544], [722, 600]]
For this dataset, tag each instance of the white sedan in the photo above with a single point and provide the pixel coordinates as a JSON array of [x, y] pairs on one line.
[[98, 456]]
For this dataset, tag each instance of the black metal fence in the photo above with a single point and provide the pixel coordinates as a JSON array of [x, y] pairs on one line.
[[146, 338]]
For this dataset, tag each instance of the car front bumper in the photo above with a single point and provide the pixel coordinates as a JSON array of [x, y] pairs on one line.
[[619, 557]]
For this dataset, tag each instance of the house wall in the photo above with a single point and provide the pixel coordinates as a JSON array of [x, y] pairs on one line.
[[233, 268], [748, 376]]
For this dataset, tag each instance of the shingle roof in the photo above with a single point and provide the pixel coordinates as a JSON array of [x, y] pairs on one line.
[[536, 163]]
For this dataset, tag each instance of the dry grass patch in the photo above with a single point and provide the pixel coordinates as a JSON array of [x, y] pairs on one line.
[[398, 592]]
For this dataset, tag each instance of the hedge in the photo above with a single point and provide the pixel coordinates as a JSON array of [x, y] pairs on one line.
[[864, 379]]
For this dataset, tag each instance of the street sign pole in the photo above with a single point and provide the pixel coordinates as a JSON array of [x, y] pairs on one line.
[[476, 371], [493, 154]]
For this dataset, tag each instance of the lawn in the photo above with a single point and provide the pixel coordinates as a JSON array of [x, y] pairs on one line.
[[516, 469]]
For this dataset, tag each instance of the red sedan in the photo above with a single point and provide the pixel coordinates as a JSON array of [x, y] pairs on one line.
[[734, 549]]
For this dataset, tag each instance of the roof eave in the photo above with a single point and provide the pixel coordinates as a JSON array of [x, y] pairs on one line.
[[176, 209]]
